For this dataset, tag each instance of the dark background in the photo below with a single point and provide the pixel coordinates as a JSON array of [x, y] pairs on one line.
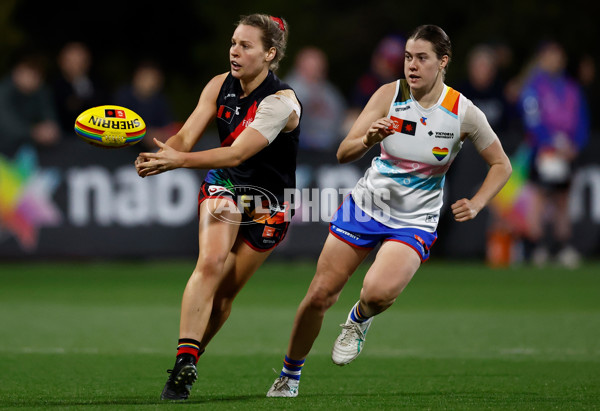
[[190, 39]]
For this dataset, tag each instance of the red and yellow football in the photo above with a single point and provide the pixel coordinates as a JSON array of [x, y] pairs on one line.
[[110, 126]]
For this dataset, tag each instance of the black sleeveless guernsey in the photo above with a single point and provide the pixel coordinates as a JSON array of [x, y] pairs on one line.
[[273, 168]]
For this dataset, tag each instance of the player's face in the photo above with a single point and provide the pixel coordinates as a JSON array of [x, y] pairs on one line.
[[422, 67], [247, 55]]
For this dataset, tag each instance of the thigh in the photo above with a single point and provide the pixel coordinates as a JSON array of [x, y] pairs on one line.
[[337, 262], [390, 273], [218, 228], [242, 262]]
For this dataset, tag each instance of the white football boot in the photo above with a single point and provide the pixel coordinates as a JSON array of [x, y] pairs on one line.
[[350, 342], [284, 387]]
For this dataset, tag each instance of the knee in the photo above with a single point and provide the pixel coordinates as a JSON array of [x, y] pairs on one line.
[[321, 299], [377, 300], [209, 265]]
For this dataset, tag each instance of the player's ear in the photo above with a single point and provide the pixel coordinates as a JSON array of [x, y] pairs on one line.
[[444, 62], [271, 53]]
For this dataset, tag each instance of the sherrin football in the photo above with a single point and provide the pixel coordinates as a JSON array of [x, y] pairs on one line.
[[110, 126]]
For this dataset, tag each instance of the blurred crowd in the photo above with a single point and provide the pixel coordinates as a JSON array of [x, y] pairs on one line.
[[40, 102], [544, 111]]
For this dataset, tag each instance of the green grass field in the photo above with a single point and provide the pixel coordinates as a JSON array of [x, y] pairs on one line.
[[462, 336]]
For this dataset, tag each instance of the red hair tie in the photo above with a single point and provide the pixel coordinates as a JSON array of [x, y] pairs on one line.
[[279, 22]]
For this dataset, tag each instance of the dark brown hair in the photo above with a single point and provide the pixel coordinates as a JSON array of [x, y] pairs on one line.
[[274, 33], [437, 37]]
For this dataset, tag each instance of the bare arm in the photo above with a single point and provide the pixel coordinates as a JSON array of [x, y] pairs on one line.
[[498, 174], [247, 144], [371, 126]]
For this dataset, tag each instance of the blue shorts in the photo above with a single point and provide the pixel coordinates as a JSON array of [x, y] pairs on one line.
[[351, 225]]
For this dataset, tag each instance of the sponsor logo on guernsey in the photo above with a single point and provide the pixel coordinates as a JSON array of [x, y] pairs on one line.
[[403, 126], [431, 218], [443, 134], [230, 95], [401, 108], [424, 121]]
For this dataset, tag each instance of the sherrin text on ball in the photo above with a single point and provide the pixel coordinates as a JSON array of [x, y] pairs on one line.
[[110, 126]]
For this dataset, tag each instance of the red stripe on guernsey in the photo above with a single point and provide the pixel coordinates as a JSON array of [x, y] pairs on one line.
[[243, 124], [91, 130]]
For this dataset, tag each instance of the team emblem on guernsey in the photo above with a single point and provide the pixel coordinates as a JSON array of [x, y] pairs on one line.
[[439, 153], [226, 114], [403, 126]]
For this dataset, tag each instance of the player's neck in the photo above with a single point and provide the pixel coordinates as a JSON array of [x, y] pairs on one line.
[[429, 97], [249, 85]]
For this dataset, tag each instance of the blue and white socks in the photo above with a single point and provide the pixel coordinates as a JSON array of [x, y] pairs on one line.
[[357, 315], [292, 368]]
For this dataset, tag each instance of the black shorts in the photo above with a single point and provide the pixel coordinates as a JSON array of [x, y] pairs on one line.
[[262, 228], [550, 185]]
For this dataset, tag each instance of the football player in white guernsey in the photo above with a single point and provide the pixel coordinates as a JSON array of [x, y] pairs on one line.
[[420, 125]]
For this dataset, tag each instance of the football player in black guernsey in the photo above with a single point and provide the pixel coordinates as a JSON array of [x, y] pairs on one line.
[[242, 210]]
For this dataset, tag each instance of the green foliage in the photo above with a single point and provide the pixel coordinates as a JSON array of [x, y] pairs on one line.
[[462, 336]]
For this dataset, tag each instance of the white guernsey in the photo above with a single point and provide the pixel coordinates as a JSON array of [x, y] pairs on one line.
[[403, 187]]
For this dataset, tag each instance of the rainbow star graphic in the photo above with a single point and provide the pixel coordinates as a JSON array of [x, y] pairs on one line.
[[26, 197]]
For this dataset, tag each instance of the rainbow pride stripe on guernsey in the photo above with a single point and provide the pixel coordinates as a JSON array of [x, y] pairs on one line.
[[100, 126]]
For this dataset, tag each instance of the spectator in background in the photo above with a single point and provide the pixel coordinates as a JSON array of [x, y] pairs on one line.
[[586, 74], [322, 104], [74, 88], [387, 65], [28, 114], [145, 96], [484, 88], [556, 119]]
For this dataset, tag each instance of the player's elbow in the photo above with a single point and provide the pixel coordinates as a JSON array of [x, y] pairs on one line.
[[342, 156], [507, 166], [235, 161], [236, 156]]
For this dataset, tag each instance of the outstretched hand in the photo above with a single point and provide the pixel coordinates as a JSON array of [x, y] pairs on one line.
[[167, 158]]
